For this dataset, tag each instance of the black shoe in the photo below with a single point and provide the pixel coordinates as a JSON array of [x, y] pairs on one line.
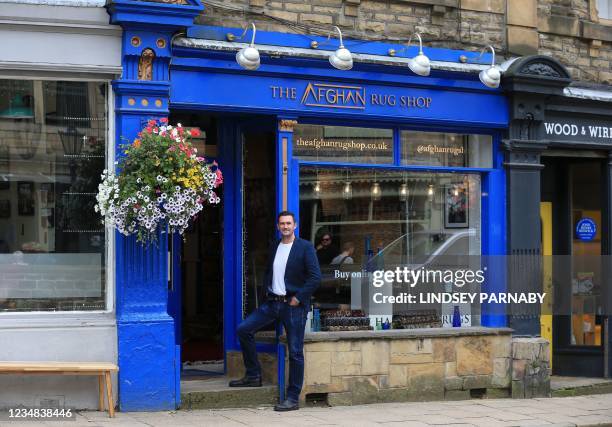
[[246, 382], [287, 405]]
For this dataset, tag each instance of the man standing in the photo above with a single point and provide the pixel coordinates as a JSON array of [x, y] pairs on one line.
[[326, 250], [291, 277]]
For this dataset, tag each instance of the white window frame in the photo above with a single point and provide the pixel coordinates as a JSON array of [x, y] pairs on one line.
[[104, 317], [596, 14]]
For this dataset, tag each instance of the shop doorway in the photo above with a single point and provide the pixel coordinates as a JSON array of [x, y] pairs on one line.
[[573, 200], [196, 272], [259, 211]]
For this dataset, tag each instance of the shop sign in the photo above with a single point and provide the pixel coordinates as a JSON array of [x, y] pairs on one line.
[[328, 95], [586, 229], [343, 143], [578, 130], [306, 145], [289, 95]]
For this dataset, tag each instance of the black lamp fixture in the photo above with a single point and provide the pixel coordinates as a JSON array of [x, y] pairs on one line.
[[72, 143]]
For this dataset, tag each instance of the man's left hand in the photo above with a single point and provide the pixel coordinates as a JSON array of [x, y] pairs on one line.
[[294, 302]]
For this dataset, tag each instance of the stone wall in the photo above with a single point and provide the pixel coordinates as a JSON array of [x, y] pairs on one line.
[[408, 365], [530, 368], [235, 366], [439, 22], [568, 30]]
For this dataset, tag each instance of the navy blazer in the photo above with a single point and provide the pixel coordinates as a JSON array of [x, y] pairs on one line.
[[302, 274]]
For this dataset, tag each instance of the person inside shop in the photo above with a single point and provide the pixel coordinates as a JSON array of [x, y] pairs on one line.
[[292, 275], [326, 250], [346, 256]]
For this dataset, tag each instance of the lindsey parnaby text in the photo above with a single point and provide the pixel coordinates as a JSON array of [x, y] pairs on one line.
[[461, 298]]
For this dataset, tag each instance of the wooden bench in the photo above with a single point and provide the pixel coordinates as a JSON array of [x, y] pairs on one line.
[[101, 370]]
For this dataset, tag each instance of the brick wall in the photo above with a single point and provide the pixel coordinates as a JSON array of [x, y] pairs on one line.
[[565, 29]]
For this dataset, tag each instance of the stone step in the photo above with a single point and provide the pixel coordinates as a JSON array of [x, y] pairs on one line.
[[215, 394], [579, 386]]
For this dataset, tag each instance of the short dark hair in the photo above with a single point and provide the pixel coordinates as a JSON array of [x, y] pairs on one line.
[[285, 213]]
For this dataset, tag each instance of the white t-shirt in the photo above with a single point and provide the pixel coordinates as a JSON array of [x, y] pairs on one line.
[[279, 267]]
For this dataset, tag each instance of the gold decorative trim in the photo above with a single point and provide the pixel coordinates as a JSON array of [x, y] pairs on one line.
[[144, 102], [160, 43], [131, 101], [285, 170], [158, 102], [287, 125], [184, 2], [135, 41], [145, 64]]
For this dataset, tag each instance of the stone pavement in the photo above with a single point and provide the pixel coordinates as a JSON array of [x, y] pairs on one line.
[[562, 411]]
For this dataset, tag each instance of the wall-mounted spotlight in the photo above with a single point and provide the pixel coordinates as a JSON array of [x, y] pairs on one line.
[[491, 76], [248, 57], [341, 58], [420, 64]]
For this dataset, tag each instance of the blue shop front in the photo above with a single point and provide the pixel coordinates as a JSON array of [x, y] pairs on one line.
[[378, 164]]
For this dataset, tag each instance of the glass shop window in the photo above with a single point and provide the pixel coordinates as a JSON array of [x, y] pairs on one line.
[[362, 220], [52, 152], [446, 149], [343, 144], [604, 9]]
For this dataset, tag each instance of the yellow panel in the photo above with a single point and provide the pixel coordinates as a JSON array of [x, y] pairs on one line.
[[546, 319]]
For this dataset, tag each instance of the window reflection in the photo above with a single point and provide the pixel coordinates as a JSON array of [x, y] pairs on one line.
[[52, 152], [391, 219]]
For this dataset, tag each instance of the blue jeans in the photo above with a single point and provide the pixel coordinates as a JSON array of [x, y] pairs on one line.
[[294, 321]]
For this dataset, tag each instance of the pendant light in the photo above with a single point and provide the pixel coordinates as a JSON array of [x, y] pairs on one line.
[[347, 188], [317, 189], [18, 109], [430, 192], [403, 190], [490, 77], [341, 58], [375, 191], [248, 57]]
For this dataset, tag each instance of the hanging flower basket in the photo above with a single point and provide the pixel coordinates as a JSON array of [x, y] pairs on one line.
[[161, 182]]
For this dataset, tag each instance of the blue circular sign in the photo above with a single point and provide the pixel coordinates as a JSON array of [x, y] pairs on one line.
[[586, 229]]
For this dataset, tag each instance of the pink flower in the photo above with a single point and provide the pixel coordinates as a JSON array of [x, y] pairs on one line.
[[219, 179], [195, 132], [164, 120]]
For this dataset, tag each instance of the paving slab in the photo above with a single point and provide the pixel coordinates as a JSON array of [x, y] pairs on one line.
[[591, 410]]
